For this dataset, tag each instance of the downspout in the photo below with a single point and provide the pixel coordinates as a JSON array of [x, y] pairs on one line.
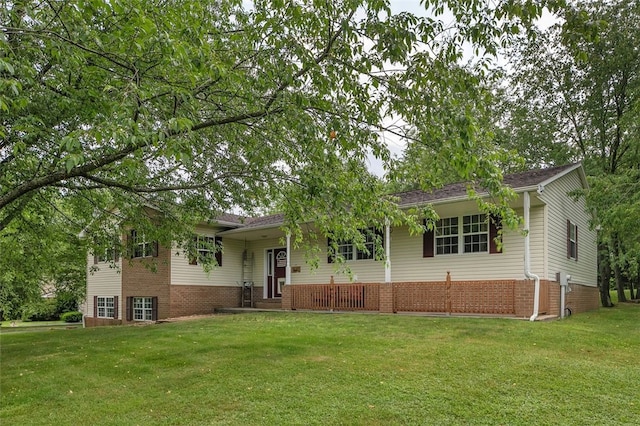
[[287, 278], [527, 260], [563, 299], [387, 252]]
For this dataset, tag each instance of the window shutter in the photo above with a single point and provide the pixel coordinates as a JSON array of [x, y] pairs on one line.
[[568, 239], [116, 252], [95, 259], [193, 252], [129, 243], [380, 232], [218, 241], [115, 307], [129, 308], [330, 258], [576, 243], [154, 309], [495, 224], [154, 249], [95, 306], [427, 242]]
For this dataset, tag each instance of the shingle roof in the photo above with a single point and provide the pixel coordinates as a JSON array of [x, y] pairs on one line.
[[273, 219], [232, 218], [515, 181]]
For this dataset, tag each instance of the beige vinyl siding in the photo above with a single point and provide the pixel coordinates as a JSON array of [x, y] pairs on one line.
[[407, 263], [561, 207], [105, 280], [366, 270], [229, 274]]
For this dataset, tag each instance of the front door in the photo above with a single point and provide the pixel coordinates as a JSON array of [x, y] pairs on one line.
[[276, 271]]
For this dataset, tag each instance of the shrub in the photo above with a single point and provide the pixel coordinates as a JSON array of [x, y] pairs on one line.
[[40, 310], [74, 316], [66, 301]]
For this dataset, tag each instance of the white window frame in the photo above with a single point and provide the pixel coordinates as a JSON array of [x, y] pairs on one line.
[[349, 251], [475, 233], [142, 308], [141, 247], [447, 236], [104, 308]]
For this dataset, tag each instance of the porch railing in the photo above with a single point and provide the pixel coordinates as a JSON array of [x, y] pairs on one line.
[[348, 297]]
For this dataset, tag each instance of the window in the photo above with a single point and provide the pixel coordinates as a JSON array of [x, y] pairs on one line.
[[140, 247], [349, 251], [142, 308], [105, 307], [109, 254], [479, 235], [572, 240], [447, 236], [106, 255], [475, 232], [206, 247]]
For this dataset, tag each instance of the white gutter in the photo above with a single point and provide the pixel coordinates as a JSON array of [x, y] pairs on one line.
[[527, 259]]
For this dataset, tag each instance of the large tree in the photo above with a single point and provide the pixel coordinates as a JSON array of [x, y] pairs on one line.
[[574, 95], [195, 108]]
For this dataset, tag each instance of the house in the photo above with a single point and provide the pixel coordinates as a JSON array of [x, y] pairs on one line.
[[455, 269]]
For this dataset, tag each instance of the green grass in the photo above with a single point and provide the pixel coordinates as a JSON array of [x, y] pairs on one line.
[[296, 368], [18, 323]]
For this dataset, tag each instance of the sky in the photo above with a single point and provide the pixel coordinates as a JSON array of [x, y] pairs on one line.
[[396, 145]]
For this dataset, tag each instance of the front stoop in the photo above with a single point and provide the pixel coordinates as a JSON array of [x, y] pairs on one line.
[[268, 304]]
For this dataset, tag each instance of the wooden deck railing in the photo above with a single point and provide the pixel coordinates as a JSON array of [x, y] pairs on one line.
[[347, 297]]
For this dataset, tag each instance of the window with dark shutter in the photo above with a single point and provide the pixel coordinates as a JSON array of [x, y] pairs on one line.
[[347, 250], [154, 309], [129, 308], [427, 241], [572, 240], [218, 242], [330, 255], [495, 225], [115, 307]]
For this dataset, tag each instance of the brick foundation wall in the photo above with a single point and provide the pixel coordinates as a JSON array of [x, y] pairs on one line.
[[201, 299], [286, 297], [386, 302], [99, 322], [138, 280], [582, 298]]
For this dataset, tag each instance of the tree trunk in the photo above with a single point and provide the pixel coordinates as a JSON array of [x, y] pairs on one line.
[[604, 269], [617, 271]]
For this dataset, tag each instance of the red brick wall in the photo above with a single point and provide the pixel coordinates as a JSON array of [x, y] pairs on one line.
[[99, 322], [582, 298], [386, 302], [286, 297], [139, 280], [202, 299]]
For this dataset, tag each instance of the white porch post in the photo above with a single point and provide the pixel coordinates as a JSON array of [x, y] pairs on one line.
[[287, 279], [387, 252]]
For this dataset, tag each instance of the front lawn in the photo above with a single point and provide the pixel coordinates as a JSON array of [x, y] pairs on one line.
[[296, 368]]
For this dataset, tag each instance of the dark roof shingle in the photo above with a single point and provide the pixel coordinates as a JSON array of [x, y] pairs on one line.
[[515, 181]]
